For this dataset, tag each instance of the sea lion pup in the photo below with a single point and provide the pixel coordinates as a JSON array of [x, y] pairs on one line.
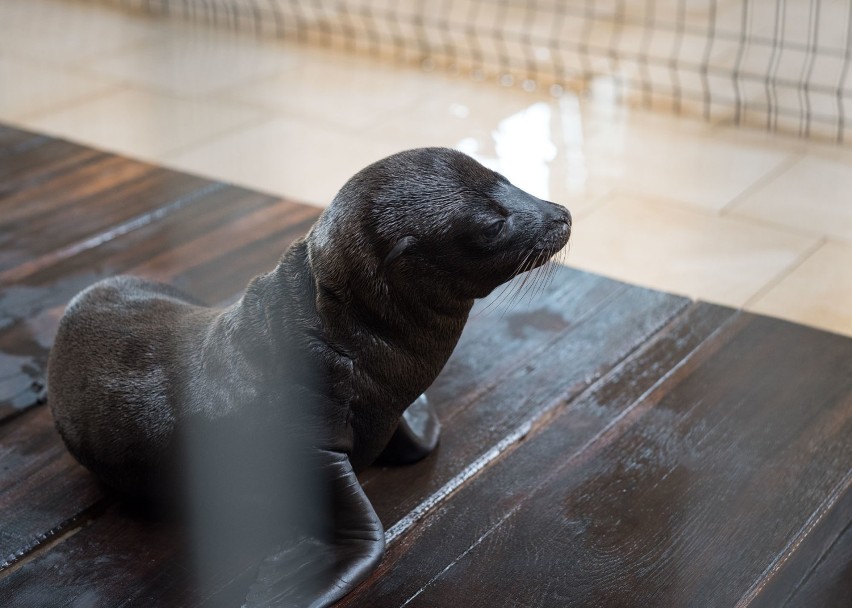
[[325, 352]]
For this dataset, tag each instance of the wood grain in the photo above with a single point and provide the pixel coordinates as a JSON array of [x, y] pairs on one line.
[[603, 445], [109, 198], [517, 395], [694, 496], [37, 471], [71, 569], [30, 159], [13, 140], [640, 312], [828, 583]]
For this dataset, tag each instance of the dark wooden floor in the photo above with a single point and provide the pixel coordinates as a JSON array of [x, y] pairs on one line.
[[604, 445]]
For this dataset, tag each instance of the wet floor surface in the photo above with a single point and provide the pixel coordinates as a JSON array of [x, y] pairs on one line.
[[728, 215]]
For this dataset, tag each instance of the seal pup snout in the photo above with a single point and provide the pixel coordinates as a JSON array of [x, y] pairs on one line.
[[557, 229], [557, 220], [552, 214], [538, 212], [538, 225]]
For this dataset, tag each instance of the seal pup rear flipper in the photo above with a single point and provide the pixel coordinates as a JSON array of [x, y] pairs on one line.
[[317, 572], [416, 436]]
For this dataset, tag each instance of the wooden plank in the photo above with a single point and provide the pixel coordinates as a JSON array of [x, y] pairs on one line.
[[593, 410], [522, 327], [152, 569], [214, 236], [81, 206], [796, 563], [101, 539], [43, 491], [123, 559], [692, 496], [13, 140], [829, 583], [499, 338], [475, 426], [32, 159], [149, 545]]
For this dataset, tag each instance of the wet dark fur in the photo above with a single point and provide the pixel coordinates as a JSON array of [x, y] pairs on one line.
[[329, 348]]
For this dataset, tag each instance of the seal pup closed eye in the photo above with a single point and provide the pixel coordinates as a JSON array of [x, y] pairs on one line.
[[326, 355]]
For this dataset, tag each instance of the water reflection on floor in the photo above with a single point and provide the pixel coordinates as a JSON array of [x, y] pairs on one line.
[[731, 216]]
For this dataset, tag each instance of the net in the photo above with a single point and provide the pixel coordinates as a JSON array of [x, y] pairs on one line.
[[780, 64]]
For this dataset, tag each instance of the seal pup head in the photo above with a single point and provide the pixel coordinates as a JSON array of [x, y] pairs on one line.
[[436, 219]]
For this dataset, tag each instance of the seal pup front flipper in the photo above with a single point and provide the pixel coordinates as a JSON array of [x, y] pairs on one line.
[[316, 572], [416, 436]]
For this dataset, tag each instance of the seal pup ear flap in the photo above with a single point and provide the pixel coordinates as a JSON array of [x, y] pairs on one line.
[[398, 249]]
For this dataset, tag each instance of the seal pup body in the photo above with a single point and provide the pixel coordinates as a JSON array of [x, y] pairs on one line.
[[326, 352]]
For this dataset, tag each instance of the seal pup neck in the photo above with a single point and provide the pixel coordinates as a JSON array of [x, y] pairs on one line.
[[376, 310]]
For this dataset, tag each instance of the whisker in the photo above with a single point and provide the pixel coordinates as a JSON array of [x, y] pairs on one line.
[[517, 296], [507, 288], [536, 278], [552, 269], [551, 274], [504, 288], [565, 251], [543, 281], [541, 269]]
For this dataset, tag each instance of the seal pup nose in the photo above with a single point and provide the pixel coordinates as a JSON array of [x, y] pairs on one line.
[[556, 217], [553, 214], [557, 214], [564, 220]]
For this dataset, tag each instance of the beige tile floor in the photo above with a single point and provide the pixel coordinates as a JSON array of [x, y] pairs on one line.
[[737, 217]]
